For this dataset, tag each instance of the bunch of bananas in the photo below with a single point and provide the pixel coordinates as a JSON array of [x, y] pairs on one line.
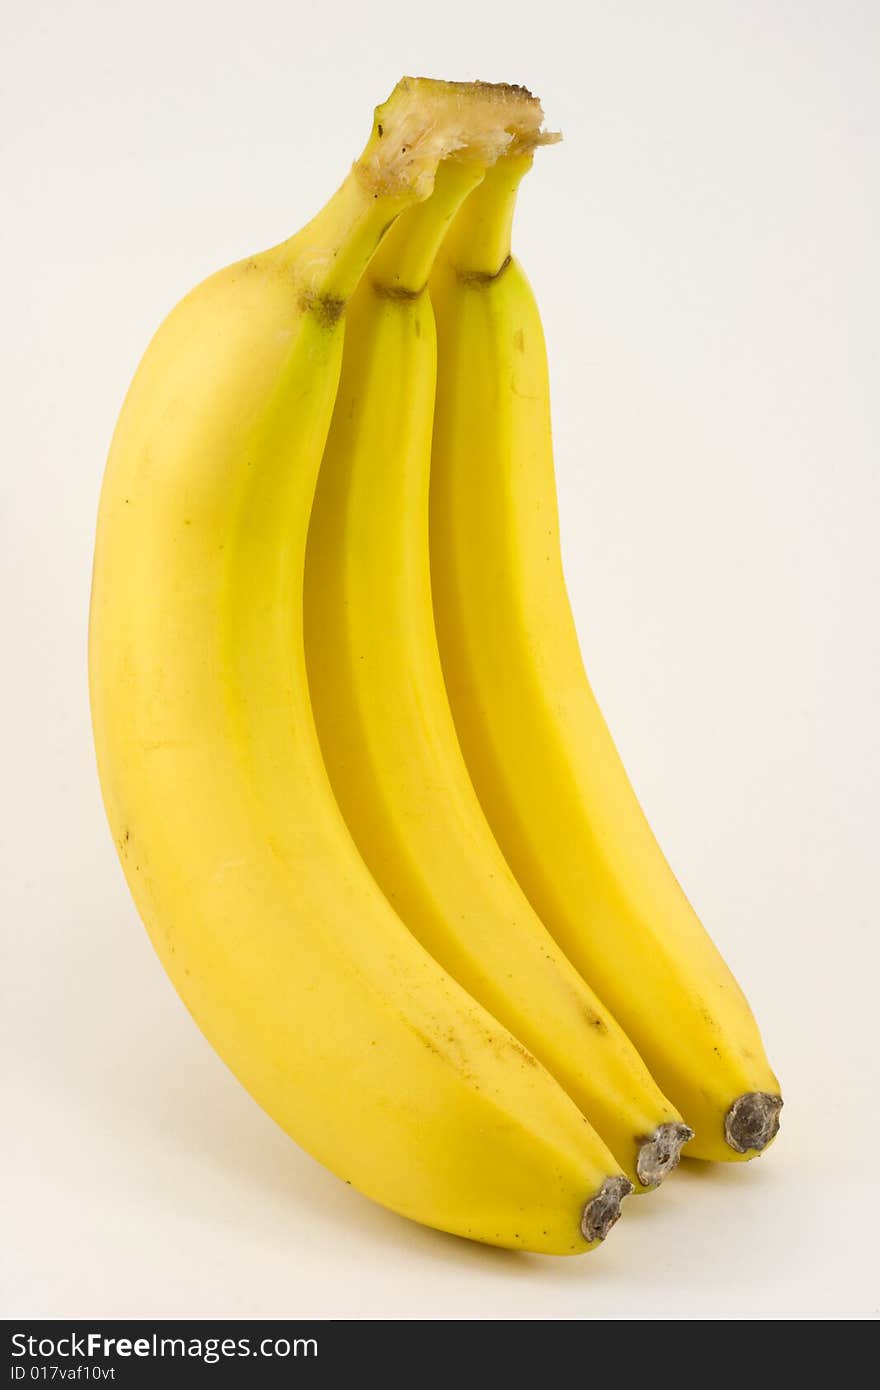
[[364, 799]]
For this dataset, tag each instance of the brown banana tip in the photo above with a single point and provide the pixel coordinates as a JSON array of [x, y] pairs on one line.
[[603, 1210], [661, 1152], [752, 1121]]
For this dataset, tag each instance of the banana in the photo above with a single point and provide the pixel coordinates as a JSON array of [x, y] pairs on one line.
[[539, 752], [262, 911], [384, 720]]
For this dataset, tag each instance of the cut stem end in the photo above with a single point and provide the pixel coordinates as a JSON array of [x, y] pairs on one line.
[[425, 121]]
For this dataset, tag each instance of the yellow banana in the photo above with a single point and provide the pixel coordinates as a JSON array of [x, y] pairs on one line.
[[538, 750], [270, 926], [383, 716]]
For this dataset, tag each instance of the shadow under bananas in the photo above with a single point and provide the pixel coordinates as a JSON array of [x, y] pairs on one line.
[[174, 1103], [223, 1129]]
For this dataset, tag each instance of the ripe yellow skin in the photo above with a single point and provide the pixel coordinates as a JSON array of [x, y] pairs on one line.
[[543, 762], [265, 917], [383, 715]]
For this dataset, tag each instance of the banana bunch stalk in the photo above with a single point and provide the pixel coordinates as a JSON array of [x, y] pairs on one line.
[[362, 794]]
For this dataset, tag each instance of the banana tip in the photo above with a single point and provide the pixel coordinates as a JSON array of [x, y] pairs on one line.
[[752, 1121], [661, 1152], [603, 1210]]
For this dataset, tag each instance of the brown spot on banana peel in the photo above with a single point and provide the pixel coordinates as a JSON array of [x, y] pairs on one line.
[[398, 292], [603, 1210], [326, 308], [523, 1052], [752, 1122], [477, 279], [427, 1042]]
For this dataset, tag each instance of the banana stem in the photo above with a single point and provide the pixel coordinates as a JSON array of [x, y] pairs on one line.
[[404, 260], [478, 244], [421, 124], [331, 253]]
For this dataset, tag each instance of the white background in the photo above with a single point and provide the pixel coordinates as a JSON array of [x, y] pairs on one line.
[[704, 247]]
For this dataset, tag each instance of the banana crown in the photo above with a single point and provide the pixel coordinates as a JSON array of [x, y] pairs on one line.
[[425, 121]]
